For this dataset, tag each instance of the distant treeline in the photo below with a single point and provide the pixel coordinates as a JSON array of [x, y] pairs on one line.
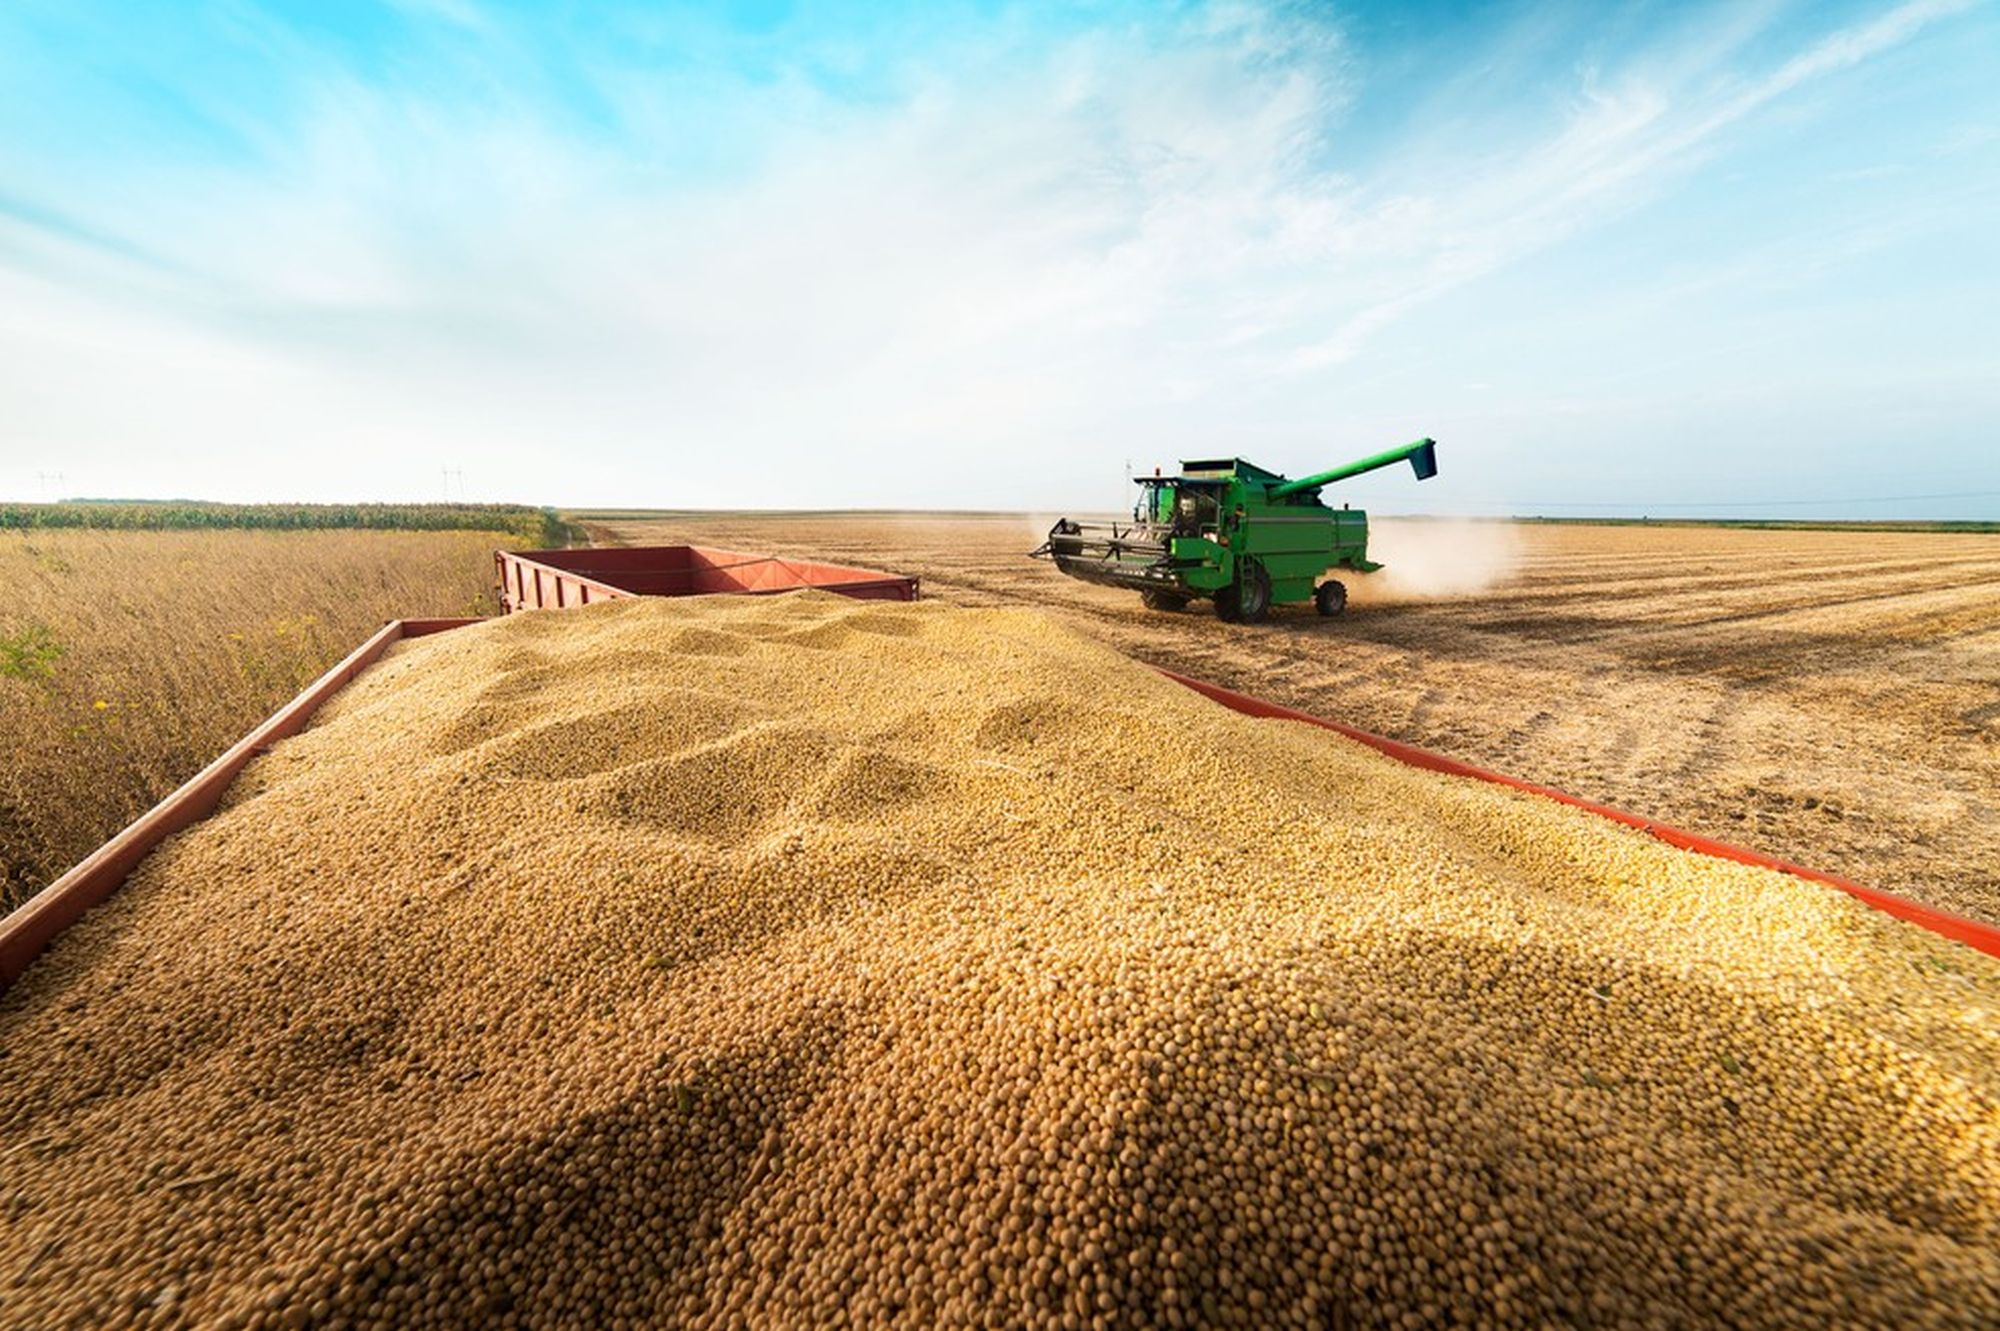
[[532, 526], [1972, 526]]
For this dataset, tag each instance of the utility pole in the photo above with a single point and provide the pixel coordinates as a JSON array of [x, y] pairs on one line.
[[52, 485]]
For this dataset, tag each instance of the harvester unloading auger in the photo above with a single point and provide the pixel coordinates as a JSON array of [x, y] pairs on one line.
[[1229, 530]]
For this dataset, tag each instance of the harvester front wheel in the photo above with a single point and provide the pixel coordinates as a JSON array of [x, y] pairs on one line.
[[1225, 604], [1253, 594], [1163, 600], [1331, 598]]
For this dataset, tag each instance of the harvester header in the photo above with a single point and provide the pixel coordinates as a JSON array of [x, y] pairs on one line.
[[1231, 531]]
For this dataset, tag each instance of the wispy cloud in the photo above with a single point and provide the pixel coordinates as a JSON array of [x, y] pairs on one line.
[[1626, 141], [645, 249]]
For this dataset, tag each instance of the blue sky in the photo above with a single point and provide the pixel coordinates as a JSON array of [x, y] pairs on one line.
[[1646, 259]]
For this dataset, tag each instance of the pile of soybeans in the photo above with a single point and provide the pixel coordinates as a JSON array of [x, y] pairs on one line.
[[796, 961]]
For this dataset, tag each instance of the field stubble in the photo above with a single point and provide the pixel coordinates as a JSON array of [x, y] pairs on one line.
[[128, 659], [1831, 697]]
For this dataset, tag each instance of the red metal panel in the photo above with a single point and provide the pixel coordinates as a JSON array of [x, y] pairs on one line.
[[585, 576], [1973, 933], [424, 628], [25, 932]]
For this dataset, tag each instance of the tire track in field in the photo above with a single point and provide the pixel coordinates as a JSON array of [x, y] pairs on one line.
[[1799, 590]]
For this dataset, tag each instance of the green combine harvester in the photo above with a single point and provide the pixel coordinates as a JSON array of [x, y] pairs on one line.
[[1244, 537]]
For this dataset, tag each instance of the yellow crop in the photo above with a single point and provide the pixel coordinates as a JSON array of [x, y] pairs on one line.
[[793, 961]]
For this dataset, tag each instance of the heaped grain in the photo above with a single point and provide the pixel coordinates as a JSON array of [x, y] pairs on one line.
[[1828, 697], [803, 962]]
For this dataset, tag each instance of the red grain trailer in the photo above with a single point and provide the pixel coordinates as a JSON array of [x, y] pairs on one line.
[[35, 924], [554, 579]]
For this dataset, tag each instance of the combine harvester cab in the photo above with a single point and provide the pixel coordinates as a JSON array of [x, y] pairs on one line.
[[1228, 530]]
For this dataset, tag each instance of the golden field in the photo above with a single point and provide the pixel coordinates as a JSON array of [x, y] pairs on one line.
[[1832, 697], [128, 659]]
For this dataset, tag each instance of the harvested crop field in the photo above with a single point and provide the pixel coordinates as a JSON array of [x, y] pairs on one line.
[[807, 962], [1829, 697]]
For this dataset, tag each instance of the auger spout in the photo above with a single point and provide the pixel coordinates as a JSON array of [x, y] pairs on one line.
[[1422, 456]]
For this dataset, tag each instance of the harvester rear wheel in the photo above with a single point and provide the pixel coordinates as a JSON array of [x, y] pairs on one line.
[[1162, 600], [1253, 594], [1331, 598]]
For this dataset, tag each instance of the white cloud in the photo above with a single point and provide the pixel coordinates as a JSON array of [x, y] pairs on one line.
[[1628, 140], [973, 263], [1033, 254]]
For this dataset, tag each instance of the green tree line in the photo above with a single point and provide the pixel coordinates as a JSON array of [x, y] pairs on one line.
[[533, 526]]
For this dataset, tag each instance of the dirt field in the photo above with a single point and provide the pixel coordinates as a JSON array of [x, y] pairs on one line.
[[1832, 697]]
